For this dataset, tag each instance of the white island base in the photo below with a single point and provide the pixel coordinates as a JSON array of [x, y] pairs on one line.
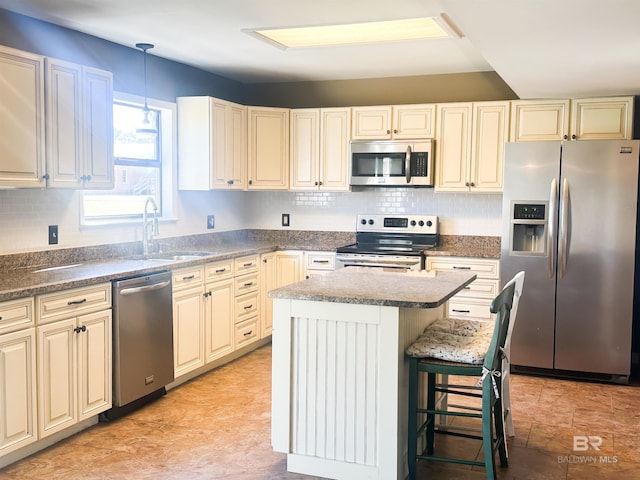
[[339, 389]]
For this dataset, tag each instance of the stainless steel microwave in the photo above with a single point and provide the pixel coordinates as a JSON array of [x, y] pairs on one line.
[[392, 163]]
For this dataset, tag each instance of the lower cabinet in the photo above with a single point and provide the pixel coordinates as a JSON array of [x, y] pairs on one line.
[[278, 269], [188, 319], [219, 313], [247, 301], [318, 263], [474, 301]]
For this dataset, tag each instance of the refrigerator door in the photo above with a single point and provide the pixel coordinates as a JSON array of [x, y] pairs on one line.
[[530, 171], [594, 307]]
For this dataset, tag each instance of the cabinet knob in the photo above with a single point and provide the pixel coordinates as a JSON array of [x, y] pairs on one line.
[[45, 176], [315, 183], [395, 130], [473, 184], [250, 182], [320, 183], [230, 182], [466, 184], [388, 131], [574, 136], [565, 137]]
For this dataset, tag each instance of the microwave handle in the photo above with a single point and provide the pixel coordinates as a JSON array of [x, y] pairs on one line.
[[407, 164]]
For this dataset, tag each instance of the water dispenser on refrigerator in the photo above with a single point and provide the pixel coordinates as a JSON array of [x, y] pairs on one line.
[[529, 225]]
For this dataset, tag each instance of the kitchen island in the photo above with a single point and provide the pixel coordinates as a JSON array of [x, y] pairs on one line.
[[340, 376]]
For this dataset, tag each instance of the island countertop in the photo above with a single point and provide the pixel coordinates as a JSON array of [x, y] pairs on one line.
[[367, 286]]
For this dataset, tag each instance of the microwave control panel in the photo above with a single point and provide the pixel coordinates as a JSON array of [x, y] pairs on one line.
[[419, 162]]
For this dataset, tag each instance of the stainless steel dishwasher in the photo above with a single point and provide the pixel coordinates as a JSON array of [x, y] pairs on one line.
[[142, 340]]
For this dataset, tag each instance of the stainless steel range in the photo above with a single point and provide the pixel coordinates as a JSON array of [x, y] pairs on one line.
[[390, 241]]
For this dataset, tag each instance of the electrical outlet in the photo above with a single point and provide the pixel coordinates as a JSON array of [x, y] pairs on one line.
[[53, 234], [286, 220], [211, 221]]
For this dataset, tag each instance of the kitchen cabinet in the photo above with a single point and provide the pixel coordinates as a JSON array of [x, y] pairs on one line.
[[22, 144], [470, 146], [393, 122], [18, 408], [474, 300], [320, 149], [212, 144], [247, 301], [79, 123], [219, 309], [268, 148], [318, 263], [188, 319], [74, 343], [575, 119], [278, 269]]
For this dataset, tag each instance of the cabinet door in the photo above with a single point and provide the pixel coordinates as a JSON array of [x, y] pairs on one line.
[[219, 325], [267, 283], [18, 409], [94, 364], [22, 142], [64, 128], [268, 148], [335, 128], [188, 330], [195, 127], [218, 144], [453, 147], [534, 120], [371, 123], [57, 385], [490, 130], [236, 146], [414, 121], [288, 268], [305, 149], [602, 118], [98, 128]]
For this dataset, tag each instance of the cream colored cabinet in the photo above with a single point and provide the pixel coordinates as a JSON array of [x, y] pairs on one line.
[[318, 263], [247, 301], [397, 122], [268, 141], [79, 126], [219, 310], [575, 119], [470, 146], [320, 149], [18, 408], [212, 144], [278, 269], [74, 344], [188, 319], [474, 301], [22, 141]]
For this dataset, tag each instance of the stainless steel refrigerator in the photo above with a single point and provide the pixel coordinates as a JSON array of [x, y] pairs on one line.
[[570, 212]]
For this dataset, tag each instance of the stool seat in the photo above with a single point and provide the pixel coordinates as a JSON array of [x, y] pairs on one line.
[[461, 326], [470, 349]]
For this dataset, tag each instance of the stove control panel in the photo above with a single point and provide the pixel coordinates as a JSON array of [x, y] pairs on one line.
[[397, 223]]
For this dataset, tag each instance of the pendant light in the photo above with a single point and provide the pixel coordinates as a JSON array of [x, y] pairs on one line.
[[146, 126]]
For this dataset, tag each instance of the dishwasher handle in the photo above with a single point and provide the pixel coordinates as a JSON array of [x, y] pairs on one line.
[[146, 288]]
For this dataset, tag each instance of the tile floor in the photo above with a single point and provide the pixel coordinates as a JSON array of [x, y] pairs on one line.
[[218, 427]]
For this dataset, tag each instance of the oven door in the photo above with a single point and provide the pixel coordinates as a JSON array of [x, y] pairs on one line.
[[400, 262]]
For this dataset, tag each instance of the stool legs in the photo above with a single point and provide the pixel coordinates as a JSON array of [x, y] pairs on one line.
[[431, 405], [413, 418]]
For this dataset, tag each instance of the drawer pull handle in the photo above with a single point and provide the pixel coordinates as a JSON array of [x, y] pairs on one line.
[[249, 307], [248, 333], [460, 311], [461, 268], [83, 328], [220, 270], [189, 277], [250, 264], [321, 261], [77, 302], [248, 284]]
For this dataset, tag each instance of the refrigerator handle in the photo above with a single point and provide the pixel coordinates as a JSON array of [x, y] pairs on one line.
[[551, 231], [563, 234]]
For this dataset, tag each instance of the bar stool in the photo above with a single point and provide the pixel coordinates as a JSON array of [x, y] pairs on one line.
[[477, 355]]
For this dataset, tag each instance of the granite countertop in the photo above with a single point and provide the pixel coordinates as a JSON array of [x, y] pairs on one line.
[[367, 286]]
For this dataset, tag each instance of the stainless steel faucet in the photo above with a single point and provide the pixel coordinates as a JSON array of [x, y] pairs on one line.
[[146, 237]]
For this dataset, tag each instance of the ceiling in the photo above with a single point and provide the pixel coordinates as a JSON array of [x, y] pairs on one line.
[[541, 48]]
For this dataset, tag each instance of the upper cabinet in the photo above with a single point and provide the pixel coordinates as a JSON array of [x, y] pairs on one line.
[[79, 126], [397, 122], [320, 149], [577, 119], [268, 134], [22, 142], [212, 144], [470, 146]]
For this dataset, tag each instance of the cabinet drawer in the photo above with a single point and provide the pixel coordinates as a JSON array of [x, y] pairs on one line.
[[68, 303], [218, 270], [246, 264], [246, 284], [320, 260], [480, 288], [247, 306], [483, 268], [470, 309], [187, 277], [246, 332], [16, 314]]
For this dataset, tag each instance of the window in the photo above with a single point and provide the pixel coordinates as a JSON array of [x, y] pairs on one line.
[[143, 165]]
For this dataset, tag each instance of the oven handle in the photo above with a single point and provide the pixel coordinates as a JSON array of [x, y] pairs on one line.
[[407, 164], [406, 265]]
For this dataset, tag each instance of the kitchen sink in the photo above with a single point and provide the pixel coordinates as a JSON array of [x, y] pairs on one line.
[[177, 256]]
